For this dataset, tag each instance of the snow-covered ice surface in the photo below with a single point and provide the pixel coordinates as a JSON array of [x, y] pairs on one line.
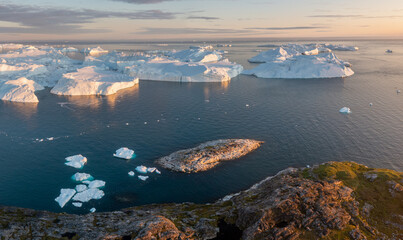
[[81, 187], [124, 153], [94, 50], [96, 184], [77, 204], [65, 195], [79, 177], [89, 194], [299, 61], [92, 80], [19, 90], [197, 54], [76, 161]]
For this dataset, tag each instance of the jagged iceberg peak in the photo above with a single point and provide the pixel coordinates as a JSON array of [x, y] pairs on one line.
[[93, 80]]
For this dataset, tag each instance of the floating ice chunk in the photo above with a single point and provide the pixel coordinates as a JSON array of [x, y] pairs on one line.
[[93, 81], [87, 195], [124, 153], [340, 47], [65, 195], [131, 173], [324, 65], [389, 51], [94, 50], [50, 138], [76, 161], [79, 177], [81, 188], [345, 110], [151, 169], [141, 169], [10, 46], [206, 47], [224, 45], [398, 91], [69, 49], [278, 54], [20, 90], [77, 204], [143, 178], [96, 184], [197, 55], [370, 104], [86, 182], [157, 171], [92, 210], [165, 69]]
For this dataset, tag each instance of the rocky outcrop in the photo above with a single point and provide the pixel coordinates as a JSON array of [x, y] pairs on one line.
[[330, 201], [208, 155]]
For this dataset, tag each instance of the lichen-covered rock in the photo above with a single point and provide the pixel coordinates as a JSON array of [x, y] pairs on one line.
[[208, 155]]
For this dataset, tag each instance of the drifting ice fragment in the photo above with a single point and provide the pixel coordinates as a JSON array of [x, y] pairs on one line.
[[96, 184], [143, 177], [141, 169], [124, 153], [77, 204], [87, 195], [65, 195], [345, 110], [131, 173], [79, 177], [151, 170], [93, 210], [76, 161]]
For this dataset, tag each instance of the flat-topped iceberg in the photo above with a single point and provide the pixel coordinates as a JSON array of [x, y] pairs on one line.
[[65, 195], [92, 81], [96, 184], [325, 65], [19, 90], [124, 153], [94, 50], [89, 194], [79, 177], [76, 161], [165, 69]]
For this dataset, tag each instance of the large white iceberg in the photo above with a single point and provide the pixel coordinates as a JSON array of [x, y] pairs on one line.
[[76, 161], [124, 153], [19, 90], [92, 81], [87, 195], [299, 61], [65, 195], [165, 69], [79, 177]]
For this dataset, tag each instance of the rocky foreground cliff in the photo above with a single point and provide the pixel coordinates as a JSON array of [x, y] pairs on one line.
[[336, 200]]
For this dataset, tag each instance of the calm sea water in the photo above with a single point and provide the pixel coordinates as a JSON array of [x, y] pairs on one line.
[[298, 120]]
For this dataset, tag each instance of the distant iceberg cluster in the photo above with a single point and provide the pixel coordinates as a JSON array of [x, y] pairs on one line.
[[25, 69], [301, 61]]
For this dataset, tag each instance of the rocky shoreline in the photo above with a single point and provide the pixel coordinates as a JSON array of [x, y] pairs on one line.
[[335, 200], [208, 155]]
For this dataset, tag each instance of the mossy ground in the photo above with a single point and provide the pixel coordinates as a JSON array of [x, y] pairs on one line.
[[386, 208]]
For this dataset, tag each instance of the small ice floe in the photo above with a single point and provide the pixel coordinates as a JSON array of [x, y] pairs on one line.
[[79, 177], [86, 182], [389, 51], [370, 104], [143, 178], [308, 166], [157, 171], [87, 195], [345, 110], [97, 184], [145, 123], [246, 105], [92, 210], [127, 124], [50, 138], [151, 169], [124, 153], [81, 188], [65, 195], [131, 174], [141, 169], [76, 161], [77, 204]]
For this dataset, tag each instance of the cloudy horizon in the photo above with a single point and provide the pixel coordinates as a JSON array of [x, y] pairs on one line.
[[131, 20]]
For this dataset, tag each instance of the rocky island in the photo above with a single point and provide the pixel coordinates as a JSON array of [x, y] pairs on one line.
[[207, 155], [335, 200]]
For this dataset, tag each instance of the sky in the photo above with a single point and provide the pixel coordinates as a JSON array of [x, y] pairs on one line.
[[155, 20]]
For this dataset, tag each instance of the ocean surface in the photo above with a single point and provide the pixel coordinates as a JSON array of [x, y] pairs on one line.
[[297, 118]]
